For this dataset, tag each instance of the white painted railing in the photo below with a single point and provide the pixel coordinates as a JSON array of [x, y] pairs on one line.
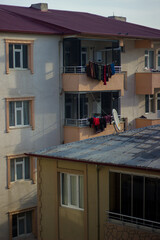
[[134, 220], [76, 122], [82, 69]]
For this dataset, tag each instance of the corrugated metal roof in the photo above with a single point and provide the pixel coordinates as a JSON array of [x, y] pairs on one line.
[[139, 148], [16, 19]]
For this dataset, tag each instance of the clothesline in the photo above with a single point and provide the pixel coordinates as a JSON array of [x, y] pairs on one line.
[[100, 72]]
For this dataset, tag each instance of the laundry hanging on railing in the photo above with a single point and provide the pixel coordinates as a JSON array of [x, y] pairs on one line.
[[100, 72], [99, 123]]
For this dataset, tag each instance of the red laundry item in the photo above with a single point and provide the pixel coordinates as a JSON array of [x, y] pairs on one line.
[[96, 121], [105, 74]]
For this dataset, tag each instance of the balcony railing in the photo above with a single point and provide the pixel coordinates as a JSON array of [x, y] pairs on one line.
[[77, 122], [133, 220], [82, 69]]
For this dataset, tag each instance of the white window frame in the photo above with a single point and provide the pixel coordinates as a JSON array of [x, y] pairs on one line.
[[69, 205], [150, 99], [23, 169], [22, 111], [18, 219], [148, 58], [14, 56]]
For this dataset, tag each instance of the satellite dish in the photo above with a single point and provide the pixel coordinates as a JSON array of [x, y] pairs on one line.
[[116, 119]]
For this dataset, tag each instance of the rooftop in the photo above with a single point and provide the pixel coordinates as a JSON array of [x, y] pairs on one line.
[[31, 20], [139, 148]]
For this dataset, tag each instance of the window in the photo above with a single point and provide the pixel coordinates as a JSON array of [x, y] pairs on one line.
[[158, 101], [136, 196], [23, 223], [72, 190], [159, 60], [149, 59], [20, 167], [19, 112], [19, 54], [149, 103]]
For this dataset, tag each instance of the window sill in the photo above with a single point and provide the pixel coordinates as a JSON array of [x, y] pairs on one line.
[[72, 208], [20, 127]]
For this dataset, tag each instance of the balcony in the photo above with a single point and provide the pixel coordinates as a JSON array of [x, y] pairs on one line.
[[134, 222], [75, 79], [78, 129], [144, 122], [147, 82]]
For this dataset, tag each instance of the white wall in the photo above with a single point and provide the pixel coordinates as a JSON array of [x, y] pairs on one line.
[[44, 86]]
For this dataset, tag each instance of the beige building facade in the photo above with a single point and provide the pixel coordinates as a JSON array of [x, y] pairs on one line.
[[99, 195]]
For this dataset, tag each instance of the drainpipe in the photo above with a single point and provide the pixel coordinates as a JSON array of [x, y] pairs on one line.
[[61, 108]]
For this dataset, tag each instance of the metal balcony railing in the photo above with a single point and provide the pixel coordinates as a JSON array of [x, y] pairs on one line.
[[137, 222], [82, 69], [76, 122]]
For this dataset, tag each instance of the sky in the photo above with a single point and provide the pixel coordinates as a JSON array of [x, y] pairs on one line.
[[143, 12]]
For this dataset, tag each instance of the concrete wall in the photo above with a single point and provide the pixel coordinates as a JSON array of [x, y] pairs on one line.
[[44, 86]]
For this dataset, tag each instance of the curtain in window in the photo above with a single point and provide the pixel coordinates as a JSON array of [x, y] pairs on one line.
[[14, 225], [10, 55], [12, 170], [64, 189], [25, 56], [11, 114], [21, 226], [26, 112], [73, 190], [27, 168], [81, 191], [29, 222]]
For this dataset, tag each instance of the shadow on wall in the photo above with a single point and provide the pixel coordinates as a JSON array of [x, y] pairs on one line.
[[20, 202]]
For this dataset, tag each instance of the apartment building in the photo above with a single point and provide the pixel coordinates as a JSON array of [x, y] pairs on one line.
[[49, 90], [106, 187], [29, 105]]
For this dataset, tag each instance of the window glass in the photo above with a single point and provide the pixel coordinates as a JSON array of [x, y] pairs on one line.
[[17, 46], [81, 192], [138, 196], [64, 189], [21, 226], [14, 226], [151, 59], [26, 112], [147, 103], [12, 170], [73, 190], [83, 106], [126, 194], [25, 56], [17, 59], [114, 192], [11, 114], [27, 168], [19, 117], [19, 171], [29, 222], [10, 55]]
